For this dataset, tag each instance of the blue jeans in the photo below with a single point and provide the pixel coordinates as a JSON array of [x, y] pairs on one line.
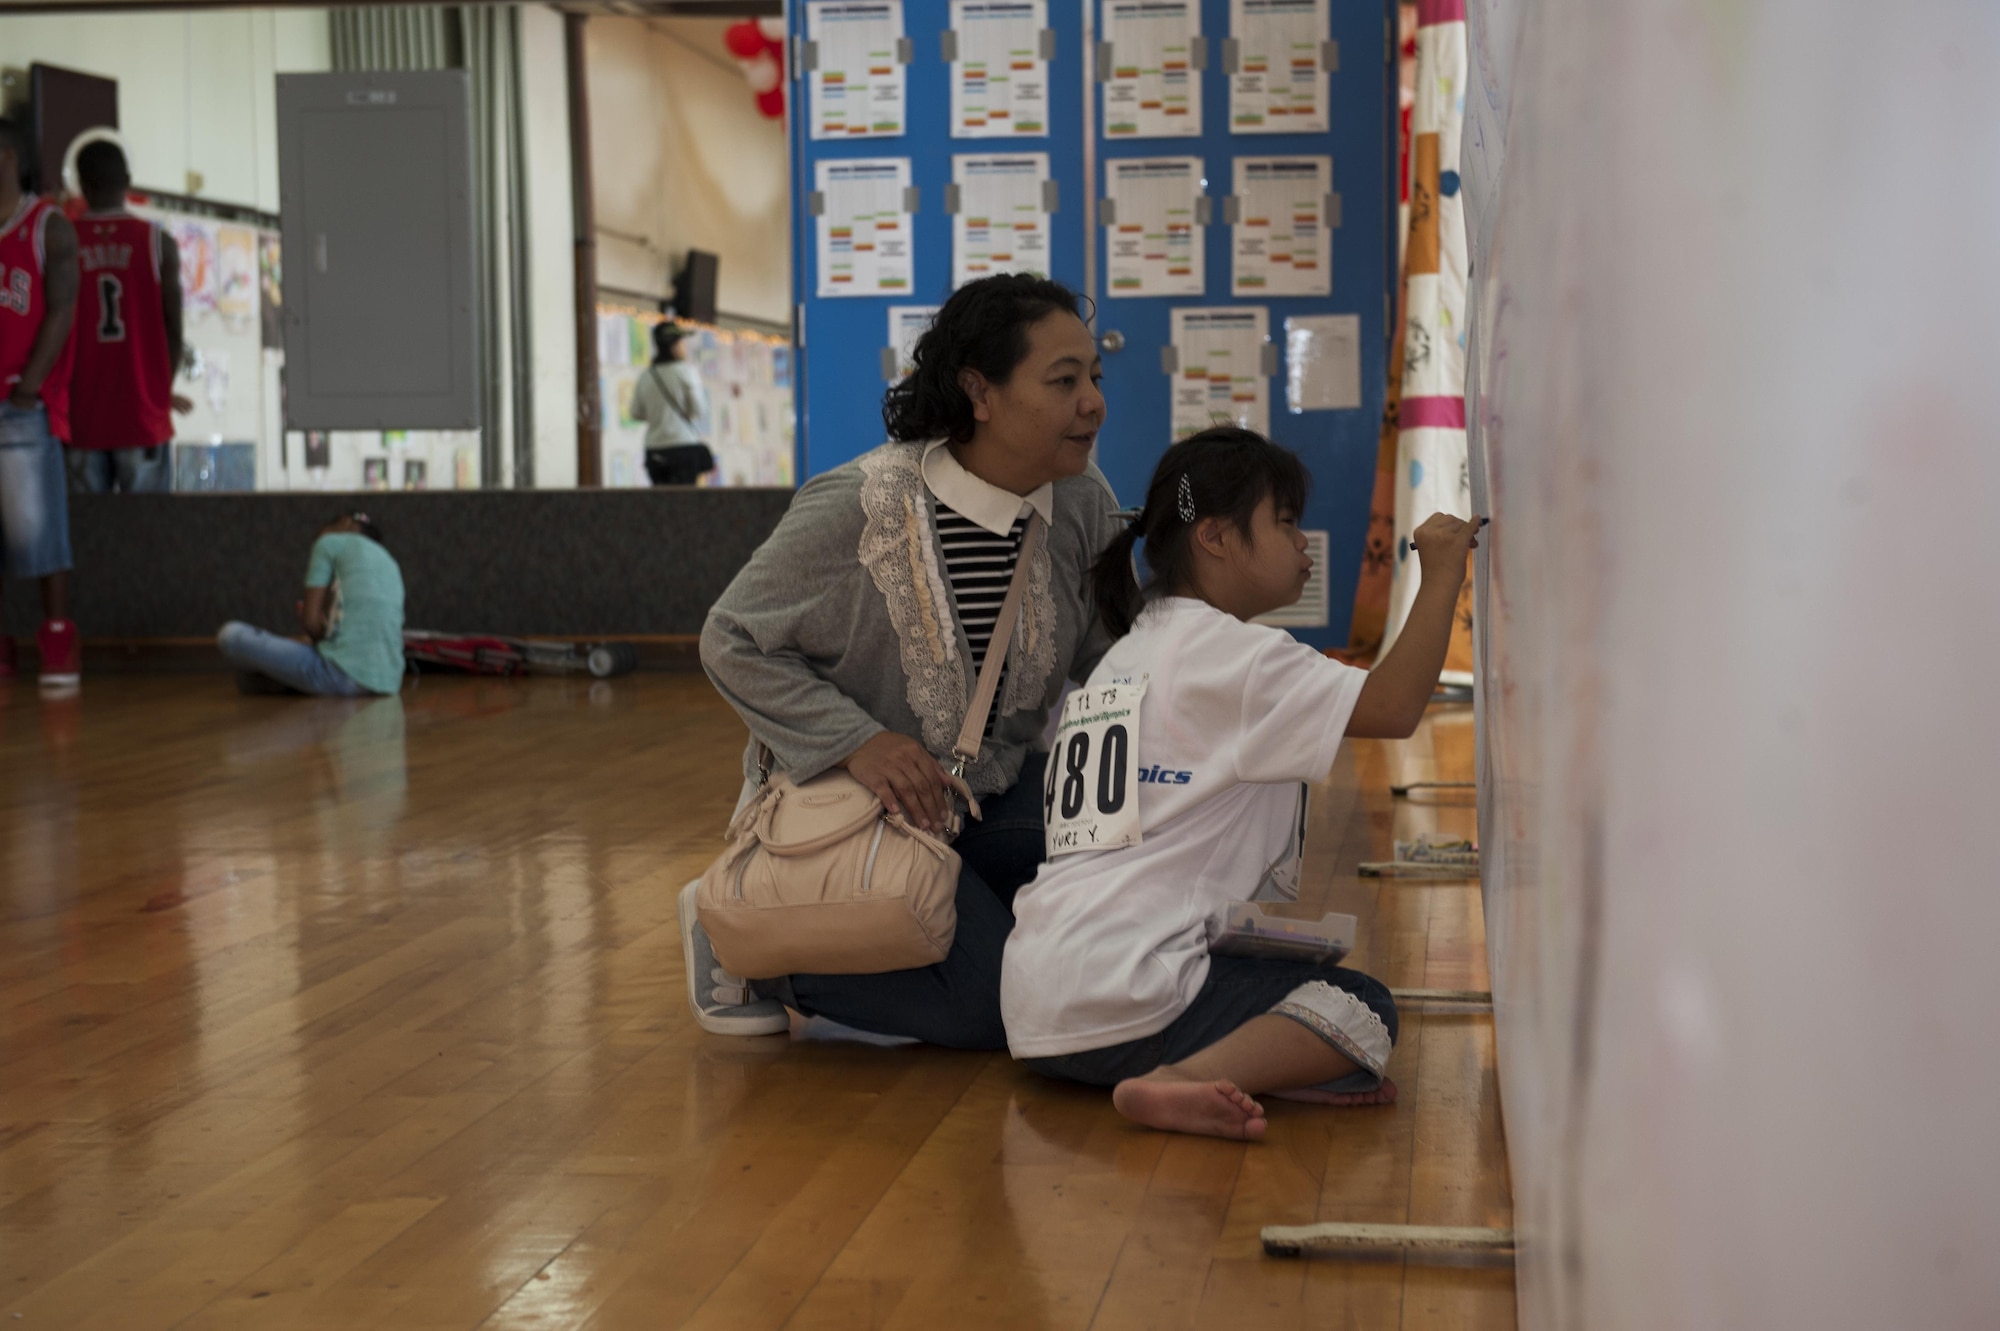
[[34, 505], [1237, 989], [290, 662], [125, 470], [955, 1003]]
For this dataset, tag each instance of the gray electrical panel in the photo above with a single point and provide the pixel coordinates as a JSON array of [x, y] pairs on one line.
[[381, 298]]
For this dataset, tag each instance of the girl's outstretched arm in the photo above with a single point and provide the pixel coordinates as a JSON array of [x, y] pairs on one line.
[[1398, 689]]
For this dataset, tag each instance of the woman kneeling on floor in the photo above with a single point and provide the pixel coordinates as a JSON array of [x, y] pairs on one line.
[[1108, 978], [854, 637]]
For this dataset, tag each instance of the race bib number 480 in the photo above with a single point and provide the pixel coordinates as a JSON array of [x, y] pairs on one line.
[[1090, 799]]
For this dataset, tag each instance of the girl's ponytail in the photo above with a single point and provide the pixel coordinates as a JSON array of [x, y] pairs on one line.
[[1115, 585]]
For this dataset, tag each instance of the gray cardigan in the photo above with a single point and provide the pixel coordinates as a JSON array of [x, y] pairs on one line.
[[842, 623]]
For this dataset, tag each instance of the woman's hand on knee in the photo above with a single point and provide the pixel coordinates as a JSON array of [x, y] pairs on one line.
[[905, 777]]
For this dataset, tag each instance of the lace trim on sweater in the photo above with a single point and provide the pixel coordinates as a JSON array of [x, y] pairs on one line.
[[899, 550]]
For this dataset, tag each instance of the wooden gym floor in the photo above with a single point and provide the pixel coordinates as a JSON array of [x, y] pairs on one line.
[[329, 1014]]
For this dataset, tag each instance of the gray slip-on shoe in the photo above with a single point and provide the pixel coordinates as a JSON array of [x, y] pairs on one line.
[[716, 996]]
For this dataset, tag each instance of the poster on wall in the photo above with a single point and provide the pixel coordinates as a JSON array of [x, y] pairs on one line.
[[906, 324], [1154, 215], [1220, 376], [1279, 85], [863, 226], [999, 70], [1279, 241], [197, 244], [235, 272], [1322, 362], [270, 292], [857, 68], [1001, 223], [1152, 87]]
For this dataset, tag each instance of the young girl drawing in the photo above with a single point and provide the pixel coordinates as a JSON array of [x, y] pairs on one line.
[[1107, 977]]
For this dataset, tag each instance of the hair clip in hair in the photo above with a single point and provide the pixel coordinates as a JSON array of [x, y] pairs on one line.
[[1184, 499]]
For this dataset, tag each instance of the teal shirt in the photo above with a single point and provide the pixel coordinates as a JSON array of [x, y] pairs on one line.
[[367, 640]]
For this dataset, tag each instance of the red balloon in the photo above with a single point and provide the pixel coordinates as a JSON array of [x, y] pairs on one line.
[[744, 39], [772, 103]]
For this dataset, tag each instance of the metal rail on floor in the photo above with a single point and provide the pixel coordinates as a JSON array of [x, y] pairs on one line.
[[1484, 996], [1298, 1240], [1401, 791]]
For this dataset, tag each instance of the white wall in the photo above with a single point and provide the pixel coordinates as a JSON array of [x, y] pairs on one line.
[[682, 159], [195, 90], [552, 246], [1732, 402]]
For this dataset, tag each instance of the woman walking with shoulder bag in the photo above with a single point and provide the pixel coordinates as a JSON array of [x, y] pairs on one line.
[[670, 399], [854, 638]]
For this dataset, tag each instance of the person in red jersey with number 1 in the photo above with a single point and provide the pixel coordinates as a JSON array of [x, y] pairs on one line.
[[37, 301], [127, 339]]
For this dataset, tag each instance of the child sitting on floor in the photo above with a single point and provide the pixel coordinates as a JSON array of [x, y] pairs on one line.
[[1190, 761]]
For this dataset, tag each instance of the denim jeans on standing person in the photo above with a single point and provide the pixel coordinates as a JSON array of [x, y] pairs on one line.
[[34, 507], [955, 1003], [290, 662], [126, 470]]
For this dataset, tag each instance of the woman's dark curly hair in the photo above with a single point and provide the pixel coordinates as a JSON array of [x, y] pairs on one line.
[[1223, 472], [984, 327]]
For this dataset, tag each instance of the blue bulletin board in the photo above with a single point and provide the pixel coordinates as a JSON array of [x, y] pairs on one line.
[[843, 338]]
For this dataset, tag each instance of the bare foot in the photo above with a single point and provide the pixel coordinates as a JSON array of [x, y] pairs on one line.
[[1211, 1108], [1385, 1094]]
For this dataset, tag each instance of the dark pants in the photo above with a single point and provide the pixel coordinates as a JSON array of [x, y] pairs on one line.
[[682, 464], [955, 1003], [1237, 989]]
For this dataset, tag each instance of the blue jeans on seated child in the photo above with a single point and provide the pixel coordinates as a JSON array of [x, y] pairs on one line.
[[1237, 989], [290, 662], [955, 1003]]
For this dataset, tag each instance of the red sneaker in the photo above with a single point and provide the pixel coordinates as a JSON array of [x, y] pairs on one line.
[[7, 670], [62, 652]]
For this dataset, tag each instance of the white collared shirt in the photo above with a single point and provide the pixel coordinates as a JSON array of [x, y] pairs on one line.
[[978, 501]]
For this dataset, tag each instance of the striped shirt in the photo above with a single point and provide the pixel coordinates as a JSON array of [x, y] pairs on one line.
[[978, 565]]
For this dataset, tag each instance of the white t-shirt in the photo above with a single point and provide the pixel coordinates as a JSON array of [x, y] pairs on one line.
[[1112, 945]]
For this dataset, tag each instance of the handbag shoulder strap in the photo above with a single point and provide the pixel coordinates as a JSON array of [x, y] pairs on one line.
[[966, 751], [660, 382]]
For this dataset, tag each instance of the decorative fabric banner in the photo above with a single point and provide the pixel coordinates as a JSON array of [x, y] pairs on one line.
[[1422, 465]]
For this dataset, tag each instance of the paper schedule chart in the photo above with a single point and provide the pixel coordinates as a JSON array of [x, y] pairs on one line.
[[1152, 85], [857, 71], [1279, 238], [1001, 224], [907, 323], [1153, 225], [1279, 85], [1220, 377], [999, 76], [862, 228]]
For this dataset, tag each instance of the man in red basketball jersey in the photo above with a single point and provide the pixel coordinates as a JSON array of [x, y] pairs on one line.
[[37, 301], [128, 336]]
